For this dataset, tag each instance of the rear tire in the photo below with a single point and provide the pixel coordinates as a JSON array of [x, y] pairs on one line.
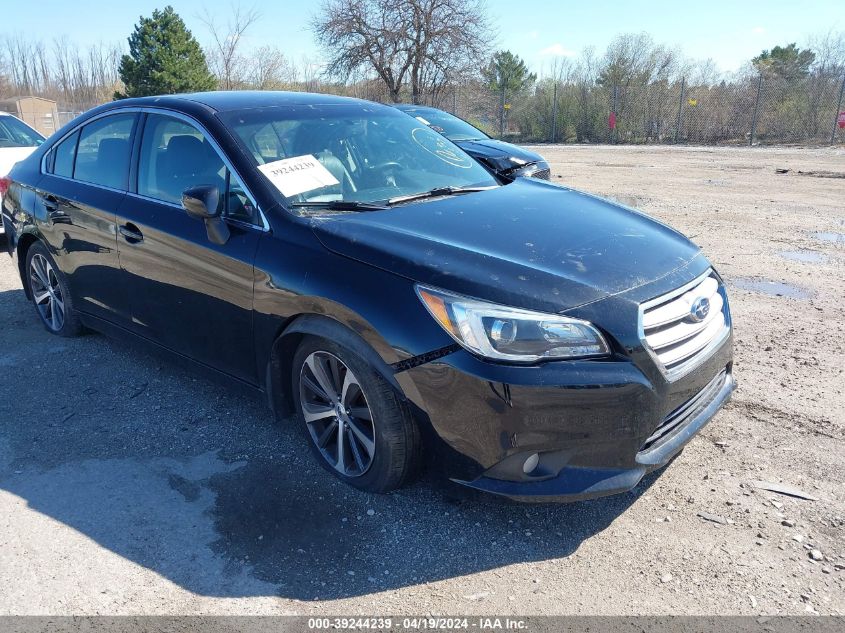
[[49, 291], [335, 391]]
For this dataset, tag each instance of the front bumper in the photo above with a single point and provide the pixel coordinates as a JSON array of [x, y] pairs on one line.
[[597, 427]]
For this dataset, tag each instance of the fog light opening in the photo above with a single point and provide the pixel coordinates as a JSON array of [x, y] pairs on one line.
[[531, 463]]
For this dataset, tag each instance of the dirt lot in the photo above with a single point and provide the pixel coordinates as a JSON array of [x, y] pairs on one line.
[[128, 486]]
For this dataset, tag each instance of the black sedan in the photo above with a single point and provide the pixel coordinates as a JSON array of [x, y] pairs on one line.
[[379, 288], [505, 160]]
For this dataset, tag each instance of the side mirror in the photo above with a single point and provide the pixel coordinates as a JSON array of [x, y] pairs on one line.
[[203, 203]]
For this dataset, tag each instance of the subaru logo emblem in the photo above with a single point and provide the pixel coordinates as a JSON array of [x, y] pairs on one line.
[[699, 309]]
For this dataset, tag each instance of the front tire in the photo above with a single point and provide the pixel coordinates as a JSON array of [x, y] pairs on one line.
[[358, 426], [49, 292]]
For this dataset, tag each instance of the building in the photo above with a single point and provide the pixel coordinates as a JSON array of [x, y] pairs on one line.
[[36, 112]]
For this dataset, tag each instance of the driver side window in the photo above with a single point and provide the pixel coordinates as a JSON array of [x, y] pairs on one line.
[[175, 156]]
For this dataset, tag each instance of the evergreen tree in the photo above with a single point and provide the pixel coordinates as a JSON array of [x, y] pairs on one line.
[[164, 58], [507, 72], [785, 62]]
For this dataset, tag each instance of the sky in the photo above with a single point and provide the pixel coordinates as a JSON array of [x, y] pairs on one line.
[[728, 32]]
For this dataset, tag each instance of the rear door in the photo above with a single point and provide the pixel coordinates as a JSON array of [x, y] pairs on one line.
[[86, 182], [187, 293]]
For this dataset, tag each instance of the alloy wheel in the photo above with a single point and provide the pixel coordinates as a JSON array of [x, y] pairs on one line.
[[336, 413], [47, 292]]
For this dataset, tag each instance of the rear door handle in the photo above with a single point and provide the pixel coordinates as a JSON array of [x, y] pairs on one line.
[[131, 233]]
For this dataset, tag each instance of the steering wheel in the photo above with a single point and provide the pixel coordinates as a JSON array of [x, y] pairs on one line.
[[390, 164], [389, 169]]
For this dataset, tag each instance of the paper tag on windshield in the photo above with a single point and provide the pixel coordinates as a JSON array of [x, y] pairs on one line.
[[299, 174]]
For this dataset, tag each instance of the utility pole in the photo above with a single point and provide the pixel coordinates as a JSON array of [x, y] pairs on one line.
[[502, 113], [680, 111], [838, 110], [554, 113], [613, 133], [756, 110]]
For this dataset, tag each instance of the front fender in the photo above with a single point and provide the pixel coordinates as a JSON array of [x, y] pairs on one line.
[[380, 308]]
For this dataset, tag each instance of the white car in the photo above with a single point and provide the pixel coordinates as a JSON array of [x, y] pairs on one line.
[[17, 141]]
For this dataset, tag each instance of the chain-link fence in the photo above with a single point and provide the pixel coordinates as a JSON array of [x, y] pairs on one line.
[[755, 110]]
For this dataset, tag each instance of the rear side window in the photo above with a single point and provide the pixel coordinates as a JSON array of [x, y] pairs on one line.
[[64, 154], [102, 156]]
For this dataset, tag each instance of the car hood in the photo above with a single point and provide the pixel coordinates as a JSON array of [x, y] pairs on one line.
[[11, 155], [499, 155], [528, 244]]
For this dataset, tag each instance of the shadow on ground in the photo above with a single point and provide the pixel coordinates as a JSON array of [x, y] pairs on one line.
[[200, 485]]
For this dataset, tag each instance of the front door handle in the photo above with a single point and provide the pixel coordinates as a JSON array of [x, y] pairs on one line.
[[51, 204], [131, 233]]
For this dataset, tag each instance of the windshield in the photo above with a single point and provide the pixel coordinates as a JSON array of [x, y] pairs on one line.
[[15, 133], [448, 125], [351, 153]]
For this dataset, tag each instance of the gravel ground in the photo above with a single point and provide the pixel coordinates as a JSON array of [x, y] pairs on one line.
[[128, 486]]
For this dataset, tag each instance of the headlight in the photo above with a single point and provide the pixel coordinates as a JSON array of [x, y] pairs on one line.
[[512, 334], [539, 170]]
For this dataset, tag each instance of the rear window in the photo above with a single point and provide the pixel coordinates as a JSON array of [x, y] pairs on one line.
[[15, 133]]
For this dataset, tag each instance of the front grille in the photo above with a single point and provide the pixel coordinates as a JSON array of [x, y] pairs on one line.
[[678, 337], [543, 174], [686, 413]]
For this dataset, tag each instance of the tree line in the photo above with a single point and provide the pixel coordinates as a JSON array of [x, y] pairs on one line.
[[438, 52]]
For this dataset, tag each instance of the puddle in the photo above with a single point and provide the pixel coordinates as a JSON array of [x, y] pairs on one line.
[[772, 288], [823, 174], [829, 236], [808, 257]]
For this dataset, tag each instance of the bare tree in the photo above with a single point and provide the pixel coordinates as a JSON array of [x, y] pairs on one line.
[[635, 58], [19, 59], [826, 75], [450, 39], [77, 78], [271, 70], [703, 72], [224, 55], [309, 77], [421, 43], [5, 84], [358, 33], [829, 48]]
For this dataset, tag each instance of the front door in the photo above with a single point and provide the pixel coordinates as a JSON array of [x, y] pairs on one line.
[[187, 293]]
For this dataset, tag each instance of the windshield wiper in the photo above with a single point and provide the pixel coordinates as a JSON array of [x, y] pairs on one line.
[[436, 193], [338, 205]]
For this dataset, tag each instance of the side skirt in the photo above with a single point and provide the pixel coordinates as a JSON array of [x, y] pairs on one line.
[[152, 348]]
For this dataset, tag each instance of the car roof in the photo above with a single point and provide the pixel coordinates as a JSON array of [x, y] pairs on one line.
[[222, 101]]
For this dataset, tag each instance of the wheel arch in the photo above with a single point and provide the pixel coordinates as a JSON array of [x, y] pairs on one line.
[[24, 242], [278, 371]]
